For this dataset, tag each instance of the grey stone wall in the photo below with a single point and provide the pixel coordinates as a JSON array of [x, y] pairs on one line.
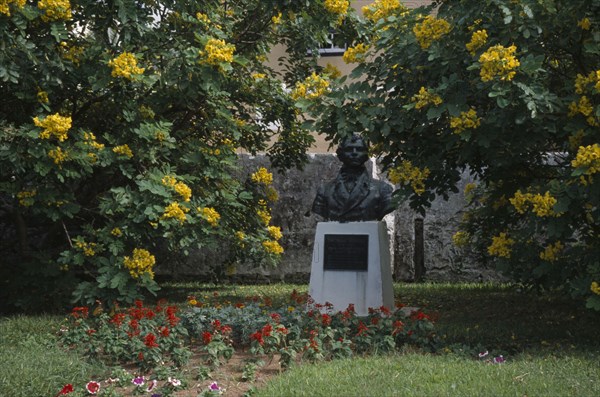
[[297, 189]]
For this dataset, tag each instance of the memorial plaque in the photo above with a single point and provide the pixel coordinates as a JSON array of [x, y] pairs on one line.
[[346, 252]]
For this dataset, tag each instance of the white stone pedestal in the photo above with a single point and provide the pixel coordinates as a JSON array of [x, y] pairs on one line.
[[351, 265]]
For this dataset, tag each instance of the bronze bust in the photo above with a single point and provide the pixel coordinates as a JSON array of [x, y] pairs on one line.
[[353, 195]]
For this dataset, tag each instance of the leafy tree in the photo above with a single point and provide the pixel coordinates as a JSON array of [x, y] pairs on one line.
[[120, 121], [506, 90]]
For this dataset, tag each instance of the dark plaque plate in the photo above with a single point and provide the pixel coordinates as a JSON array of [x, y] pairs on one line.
[[346, 252]]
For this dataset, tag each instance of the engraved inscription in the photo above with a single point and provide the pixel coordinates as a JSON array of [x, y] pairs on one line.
[[346, 252]]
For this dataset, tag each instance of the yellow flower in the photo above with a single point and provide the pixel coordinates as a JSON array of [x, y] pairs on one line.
[[262, 176], [478, 39], [141, 262], [275, 232], [264, 216], [4, 5], [382, 9], [424, 98], [498, 61], [87, 248], [25, 197], [588, 157], [276, 19], [407, 173], [216, 52], [90, 140], [595, 288], [116, 232], [461, 239], [174, 210], [258, 76], [542, 206], [550, 253], [272, 247], [203, 18], [42, 97], [584, 24], [55, 10], [123, 150], [430, 30], [210, 215], [356, 53], [312, 87], [501, 246], [332, 71], [54, 125], [125, 65], [58, 155], [192, 302], [240, 235], [338, 7], [466, 120]]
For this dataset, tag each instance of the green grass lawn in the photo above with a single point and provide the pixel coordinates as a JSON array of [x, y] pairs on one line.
[[550, 345]]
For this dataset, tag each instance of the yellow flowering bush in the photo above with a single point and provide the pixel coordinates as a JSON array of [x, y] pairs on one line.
[[25, 197], [466, 120], [356, 53], [262, 176], [275, 232], [264, 215], [461, 238], [541, 205], [499, 61], [88, 249], [381, 9], [501, 246], [5, 5], [175, 211], [595, 287], [338, 7], [425, 98], [125, 65], [588, 158], [55, 10], [584, 24], [58, 155], [141, 262], [54, 125], [478, 39], [272, 247], [123, 150], [552, 251], [217, 51], [406, 173], [313, 87], [210, 215], [430, 30]]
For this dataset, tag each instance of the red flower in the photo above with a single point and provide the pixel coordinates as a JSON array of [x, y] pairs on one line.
[[226, 329], [92, 387], [150, 340], [164, 331], [385, 310], [375, 320], [326, 319], [276, 317], [267, 329], [206, 337], [68, 388], [282, 330], [118, 319], [139, 304], [171, 317], [362, 328], [398, 325], [216, 324], [80, 311], [419, 315], [140, 356], [257, 336], [91, 332]]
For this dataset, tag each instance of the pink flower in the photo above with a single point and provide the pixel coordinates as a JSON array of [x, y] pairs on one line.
[[174, 382], [138, 381], [483, 354], [499, 360], [92, 387]]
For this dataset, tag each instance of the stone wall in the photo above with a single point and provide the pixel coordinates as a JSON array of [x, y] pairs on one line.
[[297, 189]]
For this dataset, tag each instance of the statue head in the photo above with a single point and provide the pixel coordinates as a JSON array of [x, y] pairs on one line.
[[353, 151]]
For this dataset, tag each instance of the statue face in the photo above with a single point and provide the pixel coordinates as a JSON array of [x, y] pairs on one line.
[[353, 153]]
